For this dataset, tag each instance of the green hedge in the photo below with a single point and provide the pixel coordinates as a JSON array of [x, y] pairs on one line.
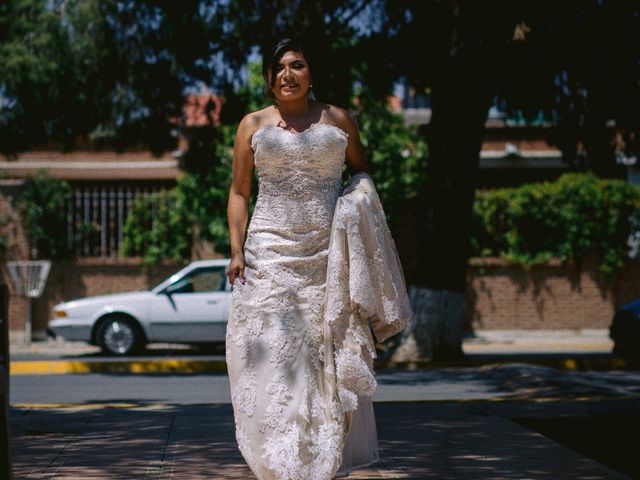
[[576, 215]]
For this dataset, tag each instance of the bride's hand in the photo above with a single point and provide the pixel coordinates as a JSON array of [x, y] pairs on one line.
[[236, 269]]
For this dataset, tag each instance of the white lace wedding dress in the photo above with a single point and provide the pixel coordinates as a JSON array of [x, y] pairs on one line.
[[289, 421]]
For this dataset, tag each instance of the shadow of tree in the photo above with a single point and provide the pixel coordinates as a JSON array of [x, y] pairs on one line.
[[417, 440], [135, 442], [515, 381]]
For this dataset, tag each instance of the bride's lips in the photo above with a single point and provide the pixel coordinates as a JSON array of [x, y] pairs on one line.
[[288, 86]]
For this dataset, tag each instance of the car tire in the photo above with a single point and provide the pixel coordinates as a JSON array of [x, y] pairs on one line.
[[119, 335]]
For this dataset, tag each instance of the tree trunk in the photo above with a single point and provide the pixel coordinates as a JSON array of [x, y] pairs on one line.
[[437, 325], [461, 94]]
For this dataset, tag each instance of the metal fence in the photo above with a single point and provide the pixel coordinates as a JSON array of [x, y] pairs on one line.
[[96, 217]]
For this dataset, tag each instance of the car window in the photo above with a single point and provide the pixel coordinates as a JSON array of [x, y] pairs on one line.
[[206, 279]]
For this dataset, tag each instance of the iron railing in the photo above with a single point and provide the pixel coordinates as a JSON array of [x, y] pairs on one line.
[[96, 217]]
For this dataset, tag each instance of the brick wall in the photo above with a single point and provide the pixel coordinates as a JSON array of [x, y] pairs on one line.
[[499, 296], [550, 296]]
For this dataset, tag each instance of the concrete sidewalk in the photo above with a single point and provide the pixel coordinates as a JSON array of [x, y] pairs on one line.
[[479, 342], [569, 349], [417, 441], [538, 341]]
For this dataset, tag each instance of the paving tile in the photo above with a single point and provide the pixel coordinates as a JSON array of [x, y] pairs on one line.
[[417, 441]]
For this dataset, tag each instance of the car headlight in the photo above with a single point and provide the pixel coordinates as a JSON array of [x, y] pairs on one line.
[[60, 313]]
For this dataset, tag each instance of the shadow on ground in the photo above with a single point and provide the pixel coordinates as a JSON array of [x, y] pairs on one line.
[[611, 439], [515, 381], [417, 440]]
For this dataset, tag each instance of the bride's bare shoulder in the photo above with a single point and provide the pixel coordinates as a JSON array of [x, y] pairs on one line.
[[339, 117], [253, 121]]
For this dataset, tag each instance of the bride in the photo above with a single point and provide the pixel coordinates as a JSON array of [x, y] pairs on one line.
[[290, 424]]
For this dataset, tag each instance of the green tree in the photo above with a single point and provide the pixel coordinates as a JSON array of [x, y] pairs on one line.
[[397, 152], [144, 54], [54, 73], [43, 209], [157, 228], [465, 52]]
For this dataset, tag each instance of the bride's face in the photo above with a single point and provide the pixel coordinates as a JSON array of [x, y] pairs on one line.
[[292, 77]]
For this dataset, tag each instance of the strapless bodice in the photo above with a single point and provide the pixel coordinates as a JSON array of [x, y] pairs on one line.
[[292, 164]]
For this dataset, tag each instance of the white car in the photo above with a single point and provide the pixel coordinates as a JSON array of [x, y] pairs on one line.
[[192, 306]]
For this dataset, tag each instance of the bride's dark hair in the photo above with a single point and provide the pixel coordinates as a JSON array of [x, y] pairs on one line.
[[271, 57]]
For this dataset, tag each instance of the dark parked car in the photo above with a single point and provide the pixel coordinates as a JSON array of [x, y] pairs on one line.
[[625, 331]]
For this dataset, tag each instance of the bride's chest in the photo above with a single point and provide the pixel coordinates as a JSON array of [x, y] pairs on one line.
[[317, 151]]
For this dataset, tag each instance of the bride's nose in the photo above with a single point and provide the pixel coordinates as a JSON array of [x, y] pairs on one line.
[[288, 73]]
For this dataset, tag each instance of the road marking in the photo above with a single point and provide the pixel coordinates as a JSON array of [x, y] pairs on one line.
[[89, 406]]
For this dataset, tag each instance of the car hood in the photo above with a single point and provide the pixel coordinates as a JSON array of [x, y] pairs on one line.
[[107, 299]]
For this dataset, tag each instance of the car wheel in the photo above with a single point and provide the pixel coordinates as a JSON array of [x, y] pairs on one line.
[[119, 336]]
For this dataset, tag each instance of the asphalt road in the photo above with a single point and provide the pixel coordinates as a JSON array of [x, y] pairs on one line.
[[498, 381], [212, 388]]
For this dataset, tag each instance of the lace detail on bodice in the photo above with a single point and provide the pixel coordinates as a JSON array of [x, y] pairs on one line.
[[300, 180], [299, 164]]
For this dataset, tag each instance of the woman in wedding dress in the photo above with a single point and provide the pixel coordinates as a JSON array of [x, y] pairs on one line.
[[289, 425]]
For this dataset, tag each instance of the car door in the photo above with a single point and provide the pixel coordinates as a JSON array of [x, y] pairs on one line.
[[194, 308]]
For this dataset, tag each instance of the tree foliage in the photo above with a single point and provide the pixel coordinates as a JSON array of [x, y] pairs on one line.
[[157, 229], [43, 209], [577, 215], [54, 72], [397, 152], [115, 72]]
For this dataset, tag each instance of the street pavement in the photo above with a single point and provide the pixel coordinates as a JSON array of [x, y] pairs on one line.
[[496, 382], [466, 420]]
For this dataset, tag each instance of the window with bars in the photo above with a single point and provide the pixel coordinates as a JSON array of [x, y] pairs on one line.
[[96, 217]]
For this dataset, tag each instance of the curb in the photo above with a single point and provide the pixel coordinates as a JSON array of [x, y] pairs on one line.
[[63, 367], [561, 362], [463, 401], [188, 366]]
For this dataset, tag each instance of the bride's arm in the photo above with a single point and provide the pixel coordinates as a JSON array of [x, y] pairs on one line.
[[238, 205], [355, 155]]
